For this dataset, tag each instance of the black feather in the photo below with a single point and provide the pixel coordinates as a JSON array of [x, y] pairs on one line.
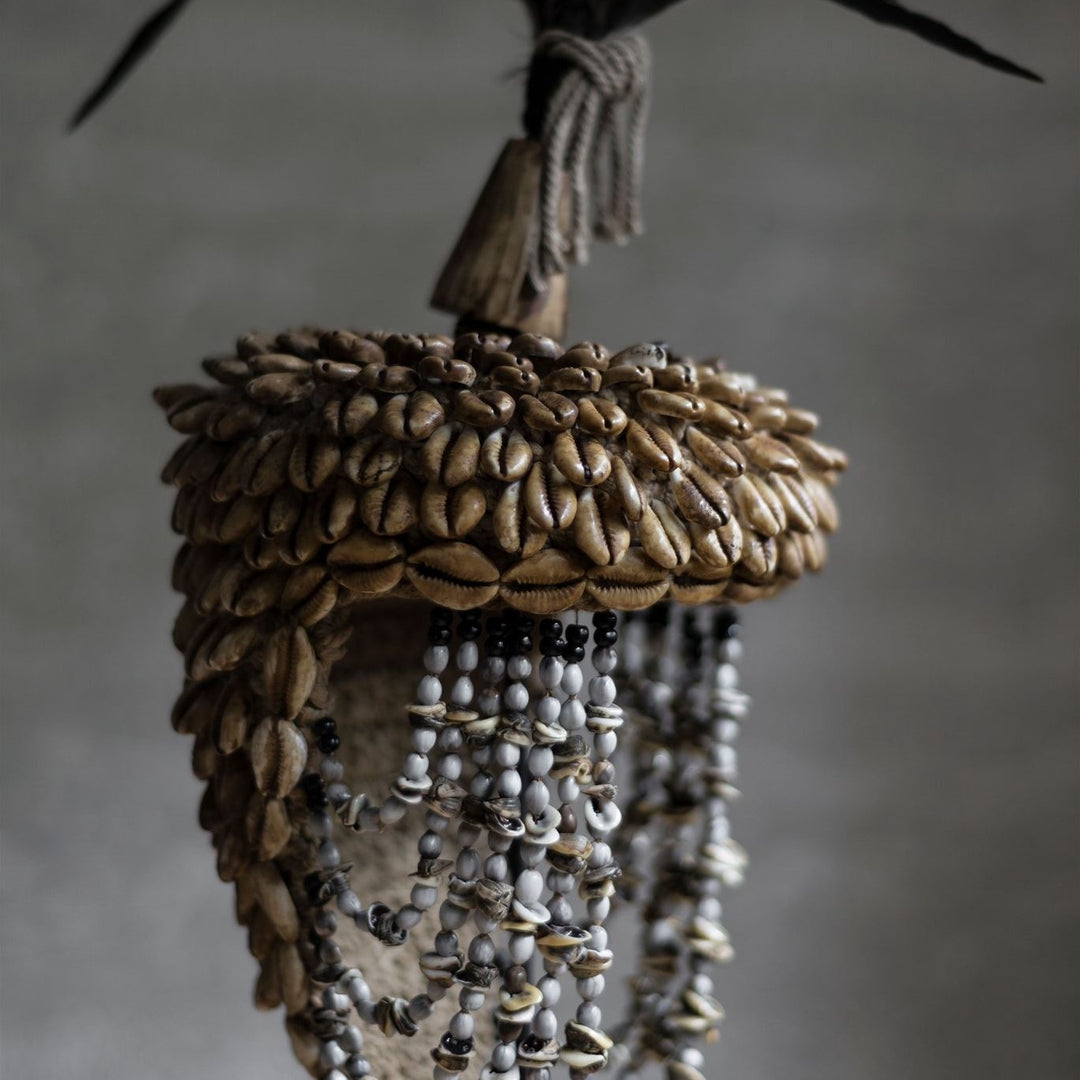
[[140, 44], [937, 33]]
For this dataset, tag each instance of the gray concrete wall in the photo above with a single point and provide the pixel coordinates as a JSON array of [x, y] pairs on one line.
[[889, 232]]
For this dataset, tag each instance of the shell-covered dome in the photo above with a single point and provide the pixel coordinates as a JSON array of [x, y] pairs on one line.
[[495, 471], [327, 469]]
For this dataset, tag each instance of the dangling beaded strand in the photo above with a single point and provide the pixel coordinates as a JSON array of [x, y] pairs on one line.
[[587, 1045]]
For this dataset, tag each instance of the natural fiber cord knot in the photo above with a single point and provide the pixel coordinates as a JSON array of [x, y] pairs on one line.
[[597, 111]]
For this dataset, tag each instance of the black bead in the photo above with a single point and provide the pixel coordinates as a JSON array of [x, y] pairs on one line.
[[325, 726], [605, 637], [457, 1047], [495, 625], [574, 654], [469, 631], [439, 635], [550, 627], [328, 743], [441, 616], [549, 645], [605, 619], [726, 624], [577, 634], [495, 648], [317, 800], [520, 643]]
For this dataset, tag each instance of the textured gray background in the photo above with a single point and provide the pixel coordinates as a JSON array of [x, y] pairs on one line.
[[887, 231]]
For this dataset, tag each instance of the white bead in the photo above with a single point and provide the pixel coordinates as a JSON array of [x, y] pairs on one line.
[[462, 694], [423, 896], [541, 758], [558, 881], [519, 668], [450, 766], [572, 714], [492, 669], [409, 916], [604, 659], [509, 783], [605, 743], [589, 1014], [429, 691], [488, 702], [529, 885], [546, 1024], [416, 766], [423, 739], [451, 917], [481, 785], [522, 947], [468, 864], [468, 656], [331, 770], [462, 1026], [436, 657], [710, 909], [451, 738], [551, 988], [602, 689], [537, 795], [572, 679], [568, 789], [727, 676], [548, 709], [551, 672], [731, 650], [507, 754], [599, 909], [516, 697]]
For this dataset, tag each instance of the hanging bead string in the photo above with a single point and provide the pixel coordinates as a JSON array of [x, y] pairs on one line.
[[537, 1046], [587, 1045], [341, 1043], [670, 670], [562, 940], [719, 860], [518, 997], [443, 801], [483, 806], [673, 1011], [675, 884]]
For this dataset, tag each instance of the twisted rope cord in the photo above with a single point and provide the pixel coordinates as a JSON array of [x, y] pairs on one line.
[[581, 127]]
